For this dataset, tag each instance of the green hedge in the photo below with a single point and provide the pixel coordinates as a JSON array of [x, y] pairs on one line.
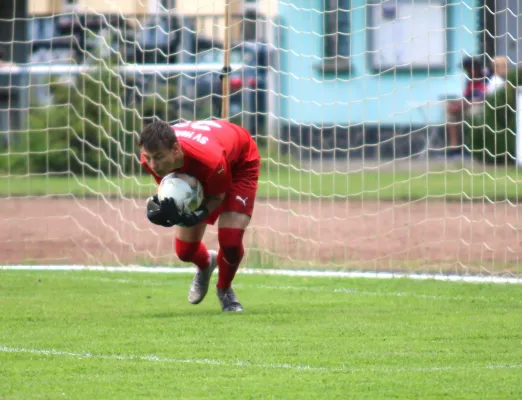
[[87, 129], [492, 135]]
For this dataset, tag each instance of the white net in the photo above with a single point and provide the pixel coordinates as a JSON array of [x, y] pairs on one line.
[[371, 159]]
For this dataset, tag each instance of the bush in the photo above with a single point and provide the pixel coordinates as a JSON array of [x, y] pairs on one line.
[[89, 128], [492, 135], [93, 123]]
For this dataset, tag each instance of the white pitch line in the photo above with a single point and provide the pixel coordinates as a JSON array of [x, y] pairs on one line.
[[370, 293], [317, 289], [153, 358], [279, 272], [244, 364]]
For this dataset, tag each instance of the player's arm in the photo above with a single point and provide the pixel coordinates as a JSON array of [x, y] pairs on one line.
[[216, 186], [154, 212], [170, 215], [208, 205], [217, 183], [212, 202]]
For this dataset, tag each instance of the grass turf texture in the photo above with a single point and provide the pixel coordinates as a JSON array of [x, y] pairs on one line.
[[299, 338], [285, 183]]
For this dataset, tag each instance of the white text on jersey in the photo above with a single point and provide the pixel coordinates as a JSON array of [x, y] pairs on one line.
[[199, 125], [192, 135]]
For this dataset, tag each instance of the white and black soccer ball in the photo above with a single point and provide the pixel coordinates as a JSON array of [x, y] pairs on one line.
[[186, 191]]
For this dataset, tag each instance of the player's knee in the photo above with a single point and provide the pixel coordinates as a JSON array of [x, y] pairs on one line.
[[233, 255], [231, 244], [186, 250]]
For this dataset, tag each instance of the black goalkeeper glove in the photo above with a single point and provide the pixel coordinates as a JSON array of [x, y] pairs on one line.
[[169, 208], [156, 214]]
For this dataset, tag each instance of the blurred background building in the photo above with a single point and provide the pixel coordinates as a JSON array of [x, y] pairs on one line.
[[337, 78]]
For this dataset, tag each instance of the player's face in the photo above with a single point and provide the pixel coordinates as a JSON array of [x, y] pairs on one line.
[[164, 160]]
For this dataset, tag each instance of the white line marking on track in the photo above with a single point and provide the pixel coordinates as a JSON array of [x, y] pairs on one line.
[[280, 272], [247, 364]]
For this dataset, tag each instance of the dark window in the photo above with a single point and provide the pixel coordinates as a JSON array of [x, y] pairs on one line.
[[336, 41], [168, 4], [250, 26]]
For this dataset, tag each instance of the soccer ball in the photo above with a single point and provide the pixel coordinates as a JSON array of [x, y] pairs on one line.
[[186, 191]]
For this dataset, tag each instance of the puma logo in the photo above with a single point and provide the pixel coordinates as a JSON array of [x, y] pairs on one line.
[[242, 200]]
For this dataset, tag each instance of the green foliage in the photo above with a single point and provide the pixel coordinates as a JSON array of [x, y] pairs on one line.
[[91, 126], [92, 123], [492, 135]]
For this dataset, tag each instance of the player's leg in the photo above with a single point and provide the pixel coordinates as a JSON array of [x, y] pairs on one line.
[[231, 229], [234, 218], [233, 222], [454, 125], [190, 248]]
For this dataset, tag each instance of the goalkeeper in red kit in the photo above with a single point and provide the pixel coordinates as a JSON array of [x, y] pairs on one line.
[[224, 158]]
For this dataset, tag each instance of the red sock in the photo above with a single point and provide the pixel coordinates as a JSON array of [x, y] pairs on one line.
[[196, 253], [230, 255]]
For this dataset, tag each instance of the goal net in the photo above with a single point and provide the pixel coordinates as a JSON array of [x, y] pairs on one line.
[[388, 129]]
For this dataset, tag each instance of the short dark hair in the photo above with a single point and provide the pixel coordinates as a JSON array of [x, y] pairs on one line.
[[157, 135], [472, 63]]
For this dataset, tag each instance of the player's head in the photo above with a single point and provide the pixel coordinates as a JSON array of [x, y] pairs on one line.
[[473, 66], [160, 147], [500, 66]]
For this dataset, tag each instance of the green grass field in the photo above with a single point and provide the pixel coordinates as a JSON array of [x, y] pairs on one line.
[[285, 183], [130, 335]]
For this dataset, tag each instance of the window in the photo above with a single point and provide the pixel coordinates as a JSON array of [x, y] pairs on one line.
[[407, 35], [168, 4], [250, 26], [336, 39], [68, 5]]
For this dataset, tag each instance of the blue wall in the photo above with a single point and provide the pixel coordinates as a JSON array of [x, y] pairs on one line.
[[309, 97]]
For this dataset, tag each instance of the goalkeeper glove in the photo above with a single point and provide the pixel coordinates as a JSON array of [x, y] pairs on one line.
[[168, 206], [156, 214]]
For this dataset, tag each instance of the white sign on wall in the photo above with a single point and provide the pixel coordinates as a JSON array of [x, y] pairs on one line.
[[407, 34]]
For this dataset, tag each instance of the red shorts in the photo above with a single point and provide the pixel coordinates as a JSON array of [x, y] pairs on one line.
[[242, 194]]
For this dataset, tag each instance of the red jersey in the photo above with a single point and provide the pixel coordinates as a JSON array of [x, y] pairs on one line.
[[213, 152], [475, 90]]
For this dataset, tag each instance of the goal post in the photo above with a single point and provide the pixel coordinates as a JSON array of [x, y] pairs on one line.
[[225, 101], [368, 163]]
